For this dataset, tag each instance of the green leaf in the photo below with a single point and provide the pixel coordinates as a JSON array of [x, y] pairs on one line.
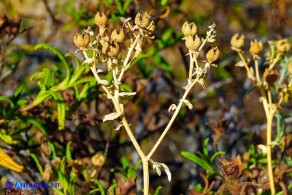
[[120, 6], [61, 56], [205, 147], [68, 153], [6, 99], [205, 165], [100, 187], [7, 138], [54, 155], [214, 156], [126, 5], [107, 3], [18, 90], [157, 191], [111, 189], [35, 123], [21, 102], [61, 107], [36, 160], [164, 2], [167, 35]]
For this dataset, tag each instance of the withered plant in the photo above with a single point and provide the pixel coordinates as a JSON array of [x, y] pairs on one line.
[[274, 83], [114, 51]]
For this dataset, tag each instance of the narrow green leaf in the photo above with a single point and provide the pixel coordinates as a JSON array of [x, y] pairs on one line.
[[205, 165], [100, 187], [61, 57], [107, 3], [21, 102], [61, 107], [205, 147], [36, 160], [215, 155], [68, 152], [51, 145], [167, 35], [164, 2], [35, 123], [111, 190], [6, 99], [126, 4], [18, 90], [157, 191]]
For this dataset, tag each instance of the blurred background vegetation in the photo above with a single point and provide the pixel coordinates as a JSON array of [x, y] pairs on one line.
[[157, 78]]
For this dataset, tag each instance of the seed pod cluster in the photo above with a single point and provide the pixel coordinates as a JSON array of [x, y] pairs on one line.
[[144, 22], [9, 26], [192, 40]]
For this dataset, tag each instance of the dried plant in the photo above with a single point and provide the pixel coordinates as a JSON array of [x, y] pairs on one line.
[[118, 48], [272, 88]]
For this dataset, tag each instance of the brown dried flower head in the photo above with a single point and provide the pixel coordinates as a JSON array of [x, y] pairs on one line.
[[219, 127], [56, 163], [100, 19], [114, 50], [213, 54], [104, 42], [192, 44], [150, 29], [237, 42], [256, 47], [47, 173], [46, 150], [231, 169], [118, 36], [81, 40], [189, 29], [142, 20], [283, 46], [270, 77], [98, 159]]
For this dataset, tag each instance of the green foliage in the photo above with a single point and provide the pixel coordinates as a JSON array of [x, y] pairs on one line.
[[203, 159]]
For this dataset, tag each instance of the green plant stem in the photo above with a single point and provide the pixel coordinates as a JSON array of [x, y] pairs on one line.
[[173, 117]]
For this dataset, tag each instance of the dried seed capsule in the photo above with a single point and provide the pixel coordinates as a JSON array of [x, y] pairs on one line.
[[46, 150], [118, 36], [56, 163], [100, 19], [142, 20], [189, 29], [256, 47], [104, 44], [212, 55], [270, 77], [192, 44], [47, 173], [114, 50], [283, 46], [237, 42], [98, 159], [150, 29], [81, 40]]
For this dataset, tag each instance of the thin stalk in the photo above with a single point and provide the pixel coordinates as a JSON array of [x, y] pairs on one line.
[[269, 153], [249, 73], [172, 118], [256, 64], [270, 116]]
